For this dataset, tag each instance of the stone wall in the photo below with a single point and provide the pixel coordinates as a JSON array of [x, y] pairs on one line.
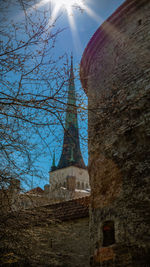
[[115, 73], [56, 245], [65, 244], [51, 235]]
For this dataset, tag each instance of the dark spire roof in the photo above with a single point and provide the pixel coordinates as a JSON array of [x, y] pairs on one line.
[[71, 154]]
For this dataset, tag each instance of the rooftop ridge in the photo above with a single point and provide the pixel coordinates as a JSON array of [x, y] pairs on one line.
[[57, 212]]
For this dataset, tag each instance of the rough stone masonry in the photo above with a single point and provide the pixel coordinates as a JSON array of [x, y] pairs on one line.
[[115, 73]]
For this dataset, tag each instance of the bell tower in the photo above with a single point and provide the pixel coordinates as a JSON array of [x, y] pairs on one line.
[[71, 166]]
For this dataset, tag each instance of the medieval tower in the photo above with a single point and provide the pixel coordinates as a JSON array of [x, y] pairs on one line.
[[115, 74]]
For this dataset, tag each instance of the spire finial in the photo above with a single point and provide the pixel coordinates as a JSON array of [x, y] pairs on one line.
[[32, 182], [71, 57], [53, 162], [71, 69]]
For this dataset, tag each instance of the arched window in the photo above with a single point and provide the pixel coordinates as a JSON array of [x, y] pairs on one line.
[[108, 233], [78, 185], [65, 184]]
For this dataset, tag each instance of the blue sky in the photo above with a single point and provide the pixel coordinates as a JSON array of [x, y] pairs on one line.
[[72, 39], [86, 25], [75, 41]]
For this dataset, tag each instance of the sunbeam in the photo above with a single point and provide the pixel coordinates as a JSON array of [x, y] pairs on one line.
[[91, 13], [54, 14], [70, 6], [75, 36]]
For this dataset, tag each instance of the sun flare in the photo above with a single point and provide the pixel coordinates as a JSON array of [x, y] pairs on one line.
[[67, 4], [57, 6]]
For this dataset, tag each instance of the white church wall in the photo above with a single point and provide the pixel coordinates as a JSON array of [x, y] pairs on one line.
[[58, 178]]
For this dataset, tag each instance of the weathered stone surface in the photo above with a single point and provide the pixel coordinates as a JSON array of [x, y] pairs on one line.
[[52, 235], [115, 72]]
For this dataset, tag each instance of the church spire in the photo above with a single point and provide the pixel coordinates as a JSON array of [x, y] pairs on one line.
[[71, 112], [71, 154]]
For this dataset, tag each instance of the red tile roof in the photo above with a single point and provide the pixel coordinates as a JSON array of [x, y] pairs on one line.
[[70, 210], [47, 214]]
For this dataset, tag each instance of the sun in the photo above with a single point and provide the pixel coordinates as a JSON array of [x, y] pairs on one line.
[[57, 6], [67, 4]]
